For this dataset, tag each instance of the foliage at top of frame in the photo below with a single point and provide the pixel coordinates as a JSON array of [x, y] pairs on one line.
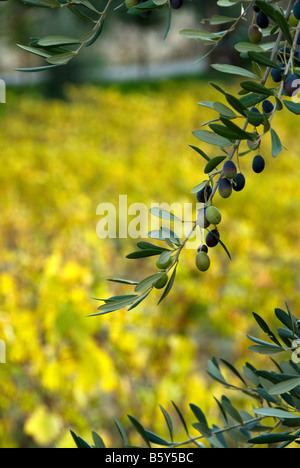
[[271, 50]]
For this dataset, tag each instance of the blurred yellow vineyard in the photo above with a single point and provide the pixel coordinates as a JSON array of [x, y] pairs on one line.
[[60, 159]]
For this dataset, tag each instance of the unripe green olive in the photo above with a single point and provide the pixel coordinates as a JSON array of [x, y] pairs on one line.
[[131, 3], [293, 20], [164, 265], [161, 282], [255, 34], [202, 261], [213, 215]]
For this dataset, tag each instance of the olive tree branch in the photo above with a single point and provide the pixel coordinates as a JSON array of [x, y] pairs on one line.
[[238, 142], [219, 431], [97, 24]]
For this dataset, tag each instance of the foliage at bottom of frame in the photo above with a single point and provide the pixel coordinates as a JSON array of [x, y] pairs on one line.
[[275, 418]]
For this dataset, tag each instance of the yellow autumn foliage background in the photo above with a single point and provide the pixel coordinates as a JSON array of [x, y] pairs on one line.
[[60, 159]]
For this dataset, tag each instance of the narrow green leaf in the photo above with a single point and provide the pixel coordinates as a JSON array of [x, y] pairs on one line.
[[272, 438], [148, 282], [36, 69], [61, 59], [213, 163], [80, 443], [224, 131], [35, 51], [169, 285], [57, 40], [224, 111], [163, 214], [168, 24], [284, 387], [293, 107], [122, 432], [251, 100], [233, 70], [143, 253], [112, 306], [233, 370], [271, 349], [98, 441], [284, 26], [211, 138], [215, 372], [155, 439], [138, 426], [263, 60], [199, 151], [147, 245], [256, 88], [181, 417], [171, 235], [235, 103], [275, 413], [263, 325], [242, 134], [231, 410], [276, 143], [199, 35], [246, 47], [122, 281], [218, 20], [284, 318], [139, 300], [199, 187], [168, 421], [203, 427]]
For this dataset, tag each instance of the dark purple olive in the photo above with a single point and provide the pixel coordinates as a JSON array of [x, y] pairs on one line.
[[258, 164], [225, 188], [212, 238], [267, 106], [262, 20], [204, 194], [296, 10], [292, 85], [176, 4], [147, 13], [239, 182], [202, 248]]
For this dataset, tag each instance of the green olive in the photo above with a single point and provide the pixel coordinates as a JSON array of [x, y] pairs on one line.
[[202, 261], [131, 3], [213, 215], [164, 265], [161, 282], [293, 21]]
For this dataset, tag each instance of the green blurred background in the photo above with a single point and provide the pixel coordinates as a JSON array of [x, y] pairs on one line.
[[60, 159]]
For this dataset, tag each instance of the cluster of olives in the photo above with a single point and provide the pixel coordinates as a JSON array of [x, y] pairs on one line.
[[212, 216], [291, 82], [231, 180], [262, 22], [175, 4]]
